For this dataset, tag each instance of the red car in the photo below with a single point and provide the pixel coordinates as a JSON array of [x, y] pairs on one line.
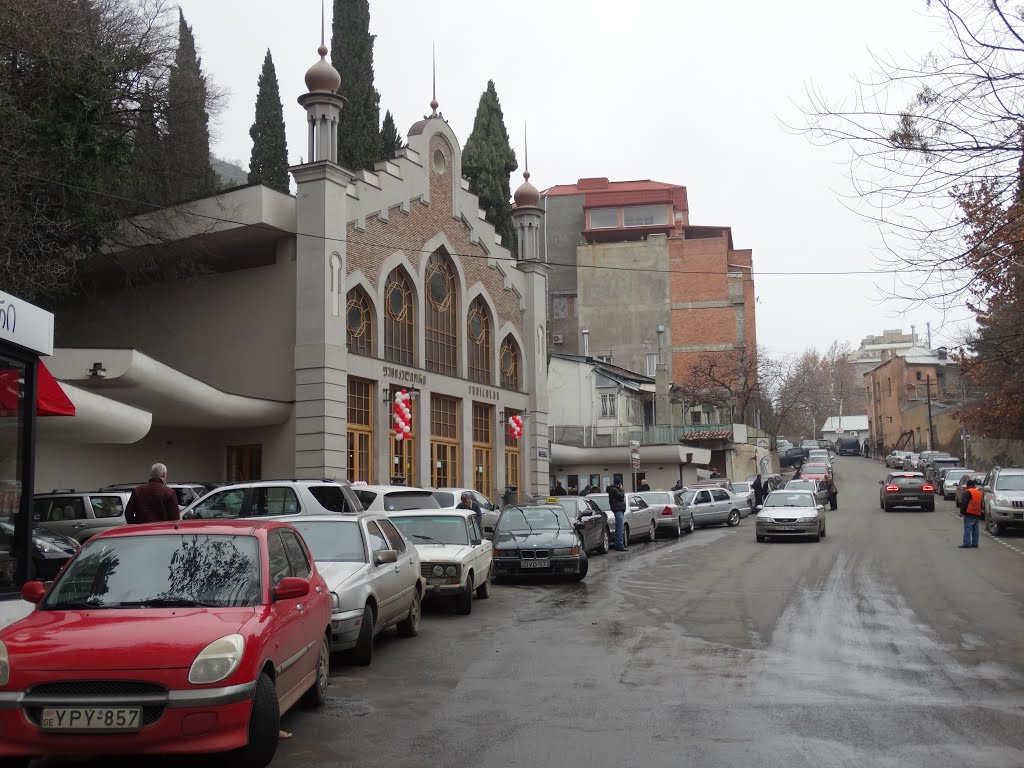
[[171, 638], [815, 472]]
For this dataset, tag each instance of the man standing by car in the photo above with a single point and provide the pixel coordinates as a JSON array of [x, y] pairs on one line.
[[467, 502], [758, 487], [617, 504], [678, 486], [970, 510], [153, 501]]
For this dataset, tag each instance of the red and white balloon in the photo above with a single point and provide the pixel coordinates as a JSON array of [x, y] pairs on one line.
[[515, 426], [401, 415]]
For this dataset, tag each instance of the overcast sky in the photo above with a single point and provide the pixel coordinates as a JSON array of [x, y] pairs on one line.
[[682, 91]]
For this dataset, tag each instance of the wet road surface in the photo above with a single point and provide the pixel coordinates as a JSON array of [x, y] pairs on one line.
[[882, 645]]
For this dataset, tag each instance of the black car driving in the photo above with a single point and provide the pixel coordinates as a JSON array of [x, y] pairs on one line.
[[538, 539]]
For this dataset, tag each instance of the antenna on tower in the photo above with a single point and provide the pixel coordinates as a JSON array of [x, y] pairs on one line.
[[323, 21], [526, 153], [433, 66]]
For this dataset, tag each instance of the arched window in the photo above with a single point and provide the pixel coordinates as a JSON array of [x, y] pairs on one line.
[[359, 322], [481, 348], [399, 319], [511, 364], [441, 327]]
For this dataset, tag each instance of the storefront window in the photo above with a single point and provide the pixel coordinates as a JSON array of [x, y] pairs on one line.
[[12, 424]]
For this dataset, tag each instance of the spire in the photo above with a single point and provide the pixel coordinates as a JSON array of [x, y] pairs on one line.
[[526, 154], [527, 196], [433, 65]]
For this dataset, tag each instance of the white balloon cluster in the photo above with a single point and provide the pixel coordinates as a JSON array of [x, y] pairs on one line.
[[402, 415]]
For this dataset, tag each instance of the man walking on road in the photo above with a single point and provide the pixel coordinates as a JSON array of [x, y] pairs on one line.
[[970, 510], [152, 502], [617, 504]]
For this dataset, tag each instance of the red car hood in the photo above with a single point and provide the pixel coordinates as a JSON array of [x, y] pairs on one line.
[[117, 639]]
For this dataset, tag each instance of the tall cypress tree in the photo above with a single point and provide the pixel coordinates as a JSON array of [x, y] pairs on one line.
[[488, 161], [359, 144], [268, 163], [188, 122], [146, 180], [390, 141]]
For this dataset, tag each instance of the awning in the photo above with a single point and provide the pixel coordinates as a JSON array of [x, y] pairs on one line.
[[51, 400]]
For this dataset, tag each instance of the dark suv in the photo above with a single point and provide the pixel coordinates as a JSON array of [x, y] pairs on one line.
[[906, 489], [793, 457], [848, 446]]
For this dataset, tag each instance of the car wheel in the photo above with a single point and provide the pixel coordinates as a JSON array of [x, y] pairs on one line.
[[823, 533], [692, 525], [604, 546], [734, 518], [362, 654], [679, 528], [652, 533], [817, 535], [996, 529], [929, 509], [410, 625], [584, 567], [264, 727], [317, 694], [760, 538], [625, 534], [483, 592], [464, 602]]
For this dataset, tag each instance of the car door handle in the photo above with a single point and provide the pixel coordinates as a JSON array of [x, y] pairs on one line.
[[79, 525], [398, 569]]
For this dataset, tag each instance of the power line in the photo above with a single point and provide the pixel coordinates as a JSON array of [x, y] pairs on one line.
[[412, 249]]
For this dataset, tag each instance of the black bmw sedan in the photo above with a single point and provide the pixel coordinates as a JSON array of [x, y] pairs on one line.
[[537, 540]]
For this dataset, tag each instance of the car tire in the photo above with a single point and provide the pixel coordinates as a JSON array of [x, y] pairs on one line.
[[823, 531], [759, 538], [929, 509], [264, 728], [652, 533], [625, 534], [362, 654], [410, 625], [692, 526], [605, 544], [483, 592], [464, 602], [679, 528], [733, 519], [316, 696], [817, 535], [993, 527], [584, 567]]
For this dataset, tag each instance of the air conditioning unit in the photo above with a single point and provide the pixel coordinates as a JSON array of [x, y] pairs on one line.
[[557, 338]]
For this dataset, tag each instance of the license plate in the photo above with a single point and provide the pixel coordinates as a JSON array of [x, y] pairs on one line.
[[534, 564], [785, 528], [91, 719], [910, 498]]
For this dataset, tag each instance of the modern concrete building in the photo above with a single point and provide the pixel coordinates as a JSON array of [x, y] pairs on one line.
[[282, 355], [902, 383], [635, 284]]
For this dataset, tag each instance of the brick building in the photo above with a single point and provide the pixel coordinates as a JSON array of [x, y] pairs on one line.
[[634, 283]]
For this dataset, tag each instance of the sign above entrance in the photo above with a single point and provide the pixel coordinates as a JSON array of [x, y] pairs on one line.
[[26, 325], [399, 374], [487, 394]]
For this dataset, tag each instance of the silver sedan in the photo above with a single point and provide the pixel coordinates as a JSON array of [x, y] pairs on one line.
[[671, 516], [790, 512]]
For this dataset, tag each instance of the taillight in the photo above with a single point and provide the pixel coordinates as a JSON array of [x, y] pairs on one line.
[[891, 488], [668, 512], [928, 488]]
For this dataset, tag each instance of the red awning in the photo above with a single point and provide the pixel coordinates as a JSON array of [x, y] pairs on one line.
[[51, 401]]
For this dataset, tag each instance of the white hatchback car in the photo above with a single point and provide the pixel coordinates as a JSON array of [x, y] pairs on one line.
[[271, 498], [455, 559], [394, 498]]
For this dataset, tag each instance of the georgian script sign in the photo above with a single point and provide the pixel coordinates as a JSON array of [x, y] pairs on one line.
[[487, 394], [400, 374], [26, 325]]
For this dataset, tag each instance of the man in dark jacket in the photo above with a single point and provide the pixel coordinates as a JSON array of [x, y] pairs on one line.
[[559, 489], [152, 502], [467, 501], [678, 486], [617, 504], [758, 487]]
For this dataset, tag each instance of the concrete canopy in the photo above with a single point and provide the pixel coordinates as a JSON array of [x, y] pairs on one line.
[[675, 454], [97, 420], [174, 399]]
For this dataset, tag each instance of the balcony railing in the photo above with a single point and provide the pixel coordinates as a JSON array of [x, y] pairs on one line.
[[605, 437]]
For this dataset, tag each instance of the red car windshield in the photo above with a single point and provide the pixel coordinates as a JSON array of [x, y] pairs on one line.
[[172, 570]]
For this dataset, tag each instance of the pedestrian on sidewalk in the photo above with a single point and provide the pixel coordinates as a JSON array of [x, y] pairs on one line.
[[559, 489], [758, 488], [153, 501], [617, 504], [970, 510], [833, 493]]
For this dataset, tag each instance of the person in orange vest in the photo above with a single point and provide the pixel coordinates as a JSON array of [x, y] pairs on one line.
[[970, 510]]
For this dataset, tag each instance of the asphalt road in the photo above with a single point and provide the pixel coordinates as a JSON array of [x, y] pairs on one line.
[[882, 645]]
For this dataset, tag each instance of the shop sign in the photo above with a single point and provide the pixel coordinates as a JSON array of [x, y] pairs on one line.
[[26, 325], [400, 374], [542, 453], [487, 394]]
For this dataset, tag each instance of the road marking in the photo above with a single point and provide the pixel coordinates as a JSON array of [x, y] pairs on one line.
[[984, 530]]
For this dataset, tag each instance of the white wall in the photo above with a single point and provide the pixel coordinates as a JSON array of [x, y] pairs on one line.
[[571, 393], [660, 476]]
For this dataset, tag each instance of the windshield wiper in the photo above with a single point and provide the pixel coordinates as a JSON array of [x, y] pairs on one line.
[[167, 602], [72, 605], [428, 538]]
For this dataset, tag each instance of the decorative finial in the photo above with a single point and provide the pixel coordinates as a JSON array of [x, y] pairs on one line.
[[323, 22], [526, 153], [433, 63]]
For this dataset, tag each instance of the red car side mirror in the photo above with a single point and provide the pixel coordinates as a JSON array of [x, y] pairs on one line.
[[33, 591], [290, 588]]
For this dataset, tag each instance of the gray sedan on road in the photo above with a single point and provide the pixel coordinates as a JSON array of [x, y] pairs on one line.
[[671, 516], [712, 506], [791, 512], [638, 522]]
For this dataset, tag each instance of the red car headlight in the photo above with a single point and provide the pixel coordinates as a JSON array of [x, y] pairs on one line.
[[217, 660]]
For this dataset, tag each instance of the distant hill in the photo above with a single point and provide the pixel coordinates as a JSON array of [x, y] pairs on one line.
[[231, 175]]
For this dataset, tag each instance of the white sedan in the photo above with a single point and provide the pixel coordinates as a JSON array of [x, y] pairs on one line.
[[455, 559], [790, 512]]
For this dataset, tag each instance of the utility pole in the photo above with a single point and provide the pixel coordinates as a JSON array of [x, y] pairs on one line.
[[931, 428]]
